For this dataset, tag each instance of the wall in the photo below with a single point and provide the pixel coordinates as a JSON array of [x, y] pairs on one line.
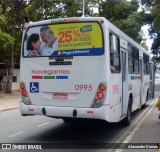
[[15, 83]]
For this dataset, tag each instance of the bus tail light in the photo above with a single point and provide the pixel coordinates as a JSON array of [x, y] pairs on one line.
[[26, 101], [100, 96], [102, 87], [97, 102], [24, 94], [22, 86], [23, 89]]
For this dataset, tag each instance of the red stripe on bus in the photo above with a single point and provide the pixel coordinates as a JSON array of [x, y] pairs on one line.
[[37, 77]]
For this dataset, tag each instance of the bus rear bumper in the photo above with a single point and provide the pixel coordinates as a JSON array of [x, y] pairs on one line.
[[62, 112]]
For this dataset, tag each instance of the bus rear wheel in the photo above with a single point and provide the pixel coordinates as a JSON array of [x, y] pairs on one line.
[[127, 120], [144, 105]]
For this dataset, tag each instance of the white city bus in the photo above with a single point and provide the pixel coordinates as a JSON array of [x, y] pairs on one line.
[[93, 70]]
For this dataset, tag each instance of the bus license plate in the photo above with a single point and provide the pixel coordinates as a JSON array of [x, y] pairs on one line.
[[59, 96]]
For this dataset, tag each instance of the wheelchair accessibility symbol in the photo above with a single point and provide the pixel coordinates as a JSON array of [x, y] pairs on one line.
[[34, 87]]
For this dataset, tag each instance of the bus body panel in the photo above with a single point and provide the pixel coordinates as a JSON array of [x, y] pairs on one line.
[[78, 89], [102, 113]]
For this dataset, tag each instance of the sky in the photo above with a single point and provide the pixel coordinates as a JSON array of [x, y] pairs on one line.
[[146, 36]]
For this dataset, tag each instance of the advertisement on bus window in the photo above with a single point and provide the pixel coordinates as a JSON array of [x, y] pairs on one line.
[[70, 39]]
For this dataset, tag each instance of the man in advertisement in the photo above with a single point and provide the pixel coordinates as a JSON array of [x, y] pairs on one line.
[[50, 41]]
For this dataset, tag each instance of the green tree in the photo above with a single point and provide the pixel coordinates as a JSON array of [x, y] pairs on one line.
[[155, 12], [152, 18], [55, 9], [124, 15], [11, 15], [5, 39]]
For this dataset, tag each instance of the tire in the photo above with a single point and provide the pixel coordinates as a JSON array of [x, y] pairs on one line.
[[127, 120], [144, 105]]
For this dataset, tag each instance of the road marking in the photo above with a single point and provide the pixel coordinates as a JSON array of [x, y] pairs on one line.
[[7, 109], [43, 124], [137, 123], [21, 132]]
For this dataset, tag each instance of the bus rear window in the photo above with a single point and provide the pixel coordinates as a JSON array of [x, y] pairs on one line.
[[70, 39]]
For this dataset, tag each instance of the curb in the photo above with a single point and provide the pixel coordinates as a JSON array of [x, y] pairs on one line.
[[9, 108], [130, 129]]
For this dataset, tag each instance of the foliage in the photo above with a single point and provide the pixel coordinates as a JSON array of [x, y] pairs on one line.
[[156, 14], [56, 9], [124, 15], [11, 16], [153, 19], [6, 41]]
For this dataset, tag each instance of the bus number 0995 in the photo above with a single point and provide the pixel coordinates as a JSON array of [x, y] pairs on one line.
[[83, 87]]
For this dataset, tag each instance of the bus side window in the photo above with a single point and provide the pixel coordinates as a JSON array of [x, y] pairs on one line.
[[130, 59], [136, 60], [145, 62], [114, 54]]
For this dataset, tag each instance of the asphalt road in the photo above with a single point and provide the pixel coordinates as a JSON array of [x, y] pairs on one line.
[[88, 136]]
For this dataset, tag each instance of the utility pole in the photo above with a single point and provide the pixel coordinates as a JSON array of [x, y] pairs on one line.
[[83, 8], [45, 10]]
